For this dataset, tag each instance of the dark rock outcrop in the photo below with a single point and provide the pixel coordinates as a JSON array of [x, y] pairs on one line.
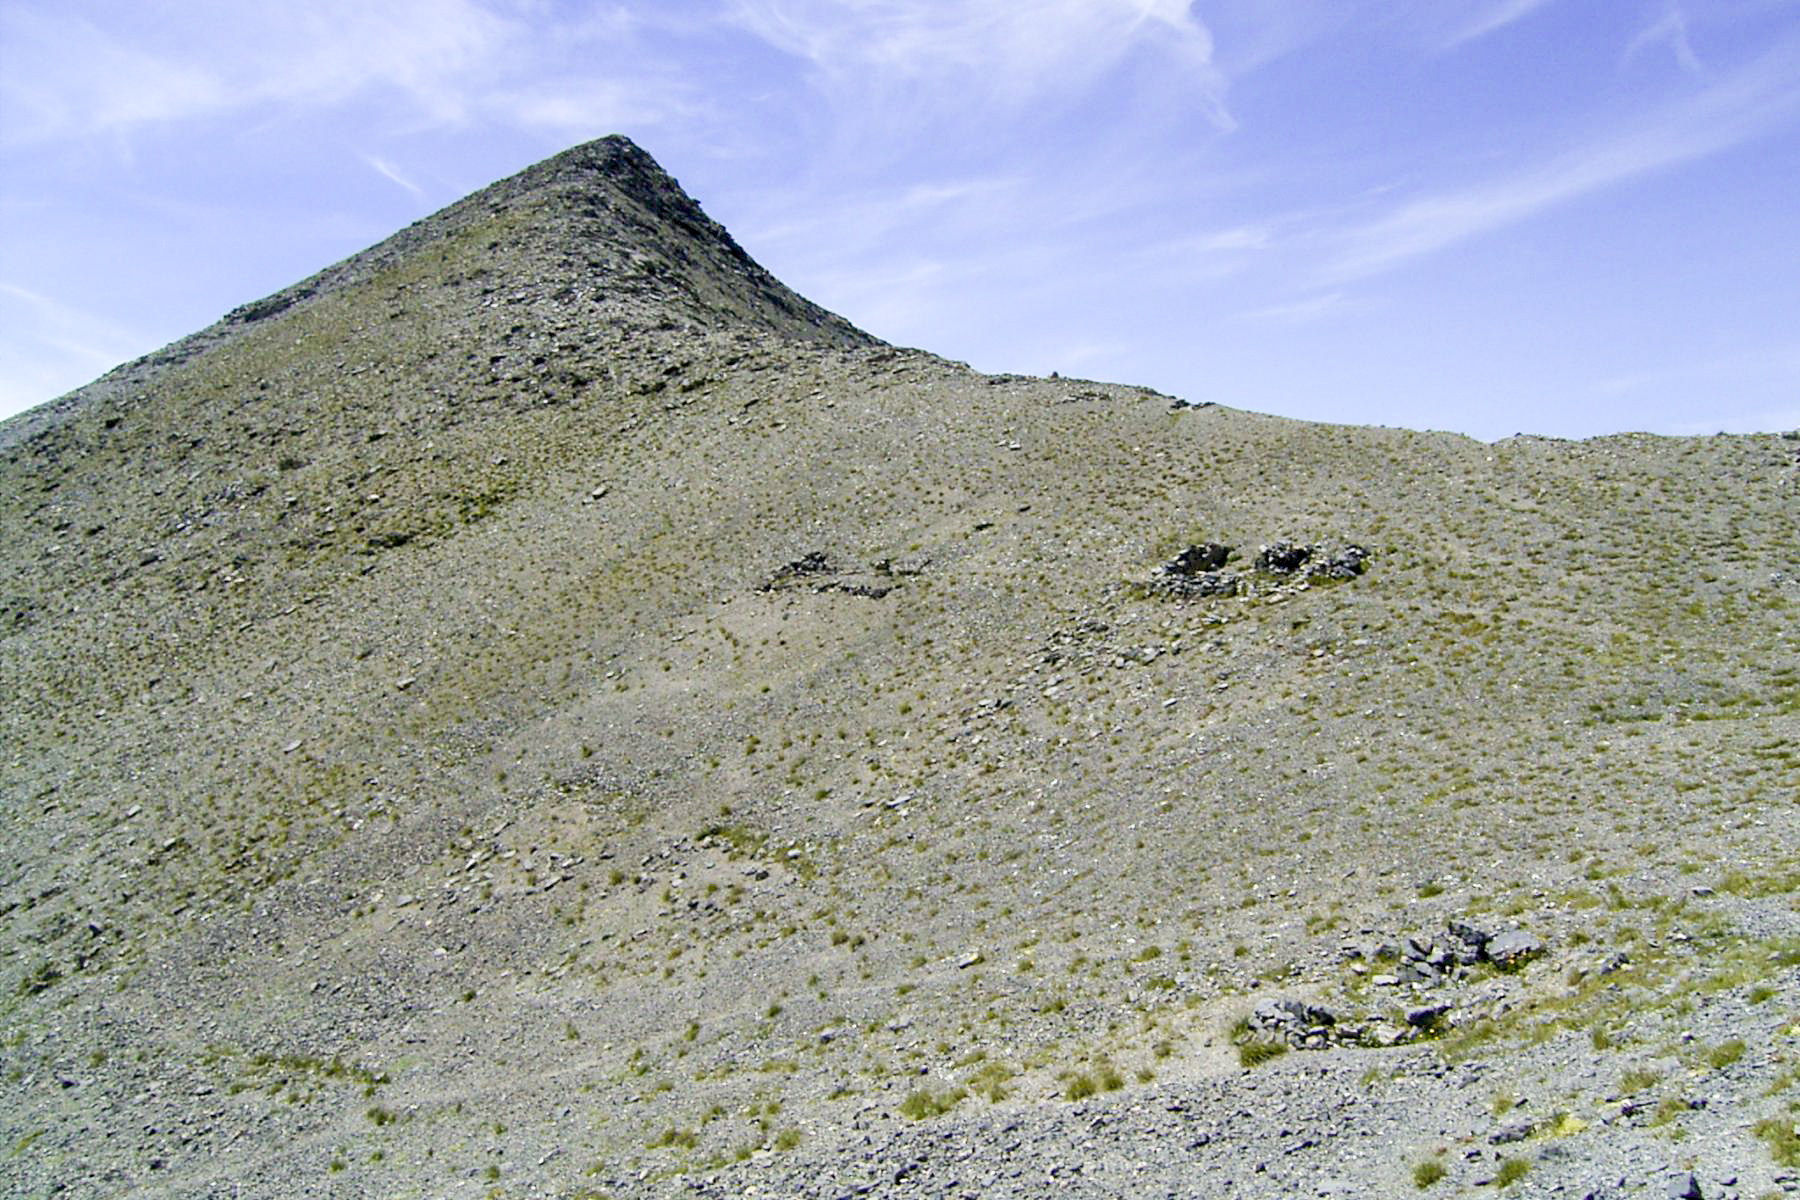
[[1282, 558], [1196, 572]]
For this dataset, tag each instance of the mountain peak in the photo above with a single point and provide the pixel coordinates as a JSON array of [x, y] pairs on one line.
[[614, 157], [582, 176], [605, 221], [597, 240], [616, 218]]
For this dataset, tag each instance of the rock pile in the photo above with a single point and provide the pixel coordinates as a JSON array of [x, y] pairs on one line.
[[1423, 962], [1198, 559], [1315, 561], [1282, 558], [812, 563], [1198, 570], [816, 567], [1300, 1024], [1431, 961]]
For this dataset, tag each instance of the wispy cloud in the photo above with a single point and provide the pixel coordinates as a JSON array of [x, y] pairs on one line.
[[1757, 421], [1294, 312], [1490, 18], [1010, 48], [1670, 29], [75, 71], [938, 55], [571, 107], [53, 346], [72, 74], [1749, 104], [392, 174], [1778, 362], [865, 219], [1220, 241], [66, 77]]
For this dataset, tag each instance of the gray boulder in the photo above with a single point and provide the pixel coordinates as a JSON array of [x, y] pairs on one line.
[[1684, 1187], [1198, 559], [1468, 943], [1344, 564], [1514, 948]]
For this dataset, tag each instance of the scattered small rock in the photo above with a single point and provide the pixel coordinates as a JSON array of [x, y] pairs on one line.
[[1512, 1131], [874, 585], [812, 563]]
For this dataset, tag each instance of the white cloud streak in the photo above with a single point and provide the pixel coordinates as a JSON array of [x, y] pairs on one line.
[[1760, 420], [70, 76], [1237, 238], [1310, 309], [89, 70], [65, 77], [1780, 362], [1670, 29], [1491, 18], [1747, 105], [392, 174], [953, 54], [53, 347]]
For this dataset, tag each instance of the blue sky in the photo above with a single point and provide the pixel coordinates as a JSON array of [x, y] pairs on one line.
[[1566, 217]]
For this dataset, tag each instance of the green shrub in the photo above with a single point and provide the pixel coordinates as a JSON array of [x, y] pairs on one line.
[[41, 978], [1511, 1171], [1725, 1053], [1080, 1087], [921, 1104], [1428, 1173], [1254, 1054], [1783, 1136]]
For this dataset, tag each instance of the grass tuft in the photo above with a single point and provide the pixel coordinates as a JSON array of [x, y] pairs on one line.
[[1254, 1054], [1783, 1136], [1511, 1171], [922, 1104]]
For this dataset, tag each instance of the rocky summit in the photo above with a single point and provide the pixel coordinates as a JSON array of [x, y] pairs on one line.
[[539, 709]]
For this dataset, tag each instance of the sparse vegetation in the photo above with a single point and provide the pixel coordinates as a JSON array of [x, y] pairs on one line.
[[922, 1103], [396, 676], [1511, 1171], [1254, 1054], [1782, 1136]]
